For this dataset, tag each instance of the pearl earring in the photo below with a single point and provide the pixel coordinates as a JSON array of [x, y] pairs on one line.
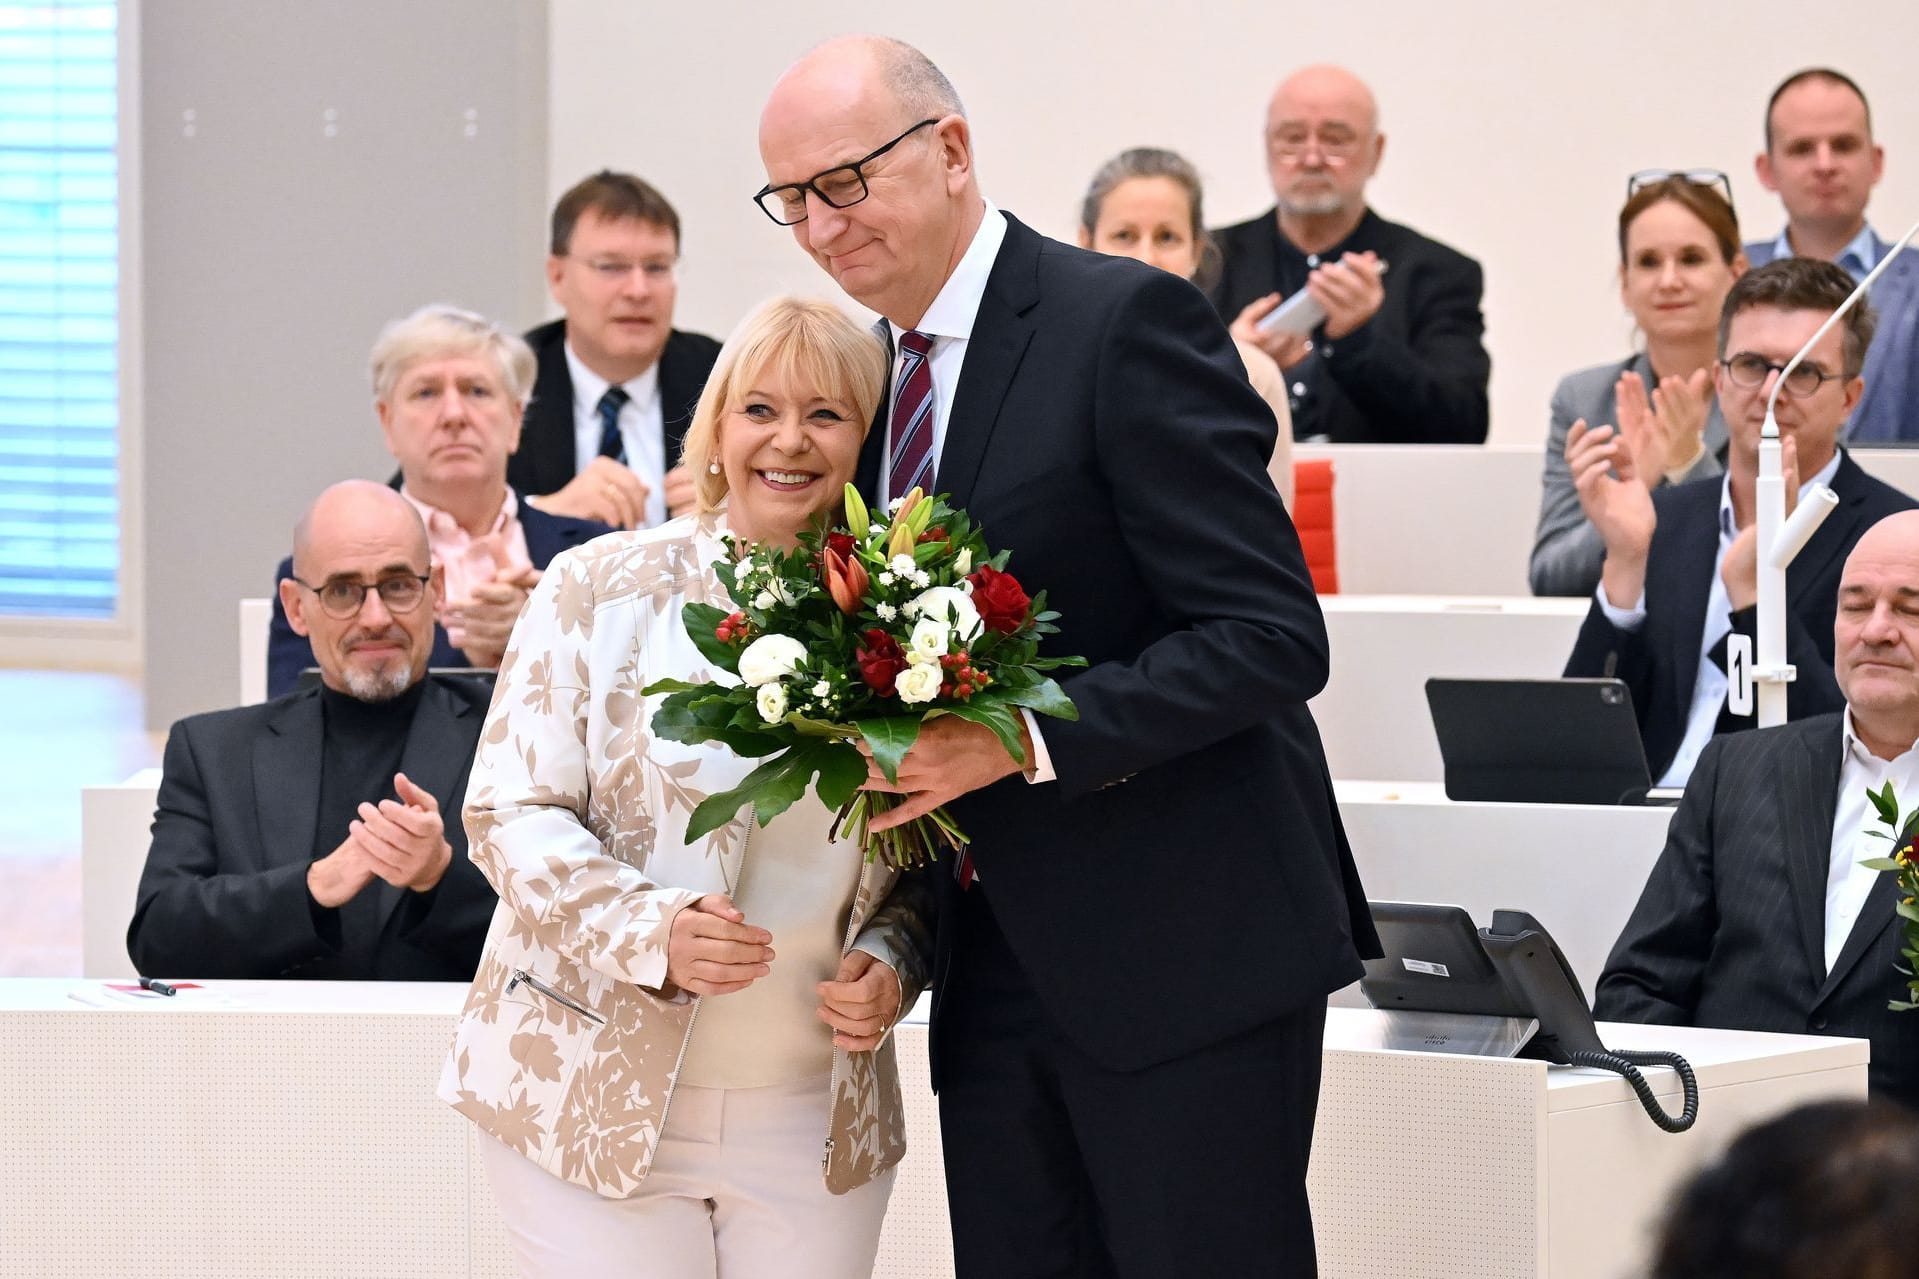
[[713, 467]]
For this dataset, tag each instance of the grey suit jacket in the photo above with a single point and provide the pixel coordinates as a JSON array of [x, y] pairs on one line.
[[1567, 550], [1730, 930]]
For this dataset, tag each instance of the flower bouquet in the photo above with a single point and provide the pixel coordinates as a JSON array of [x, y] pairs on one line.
[[1904, 864], [861, 634]]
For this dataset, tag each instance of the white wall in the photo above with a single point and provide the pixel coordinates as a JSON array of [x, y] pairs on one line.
[[1510, 126]]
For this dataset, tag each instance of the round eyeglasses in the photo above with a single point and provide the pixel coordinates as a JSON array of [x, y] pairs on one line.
[[1749, 370], [341, 599]]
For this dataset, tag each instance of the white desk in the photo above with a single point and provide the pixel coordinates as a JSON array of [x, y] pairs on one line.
[[1577, 868], [114, 831], [293, 1131], [1458, 519], [1372, 714]]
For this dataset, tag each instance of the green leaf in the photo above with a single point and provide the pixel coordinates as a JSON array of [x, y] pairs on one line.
[[842, 771], [659, 686], [889, 739], [1045, 698], [1885, 802], [770, 789], [701, 622], [1900, 1006], [1879, 863], [999, 719], [820, 728], [1908, 911]]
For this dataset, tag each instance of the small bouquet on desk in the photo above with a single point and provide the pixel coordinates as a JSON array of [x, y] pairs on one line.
[[1904, 865], [861, 634]]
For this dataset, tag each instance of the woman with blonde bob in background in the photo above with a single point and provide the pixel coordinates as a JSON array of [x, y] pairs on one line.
[[1145, 204], [677, 1051]]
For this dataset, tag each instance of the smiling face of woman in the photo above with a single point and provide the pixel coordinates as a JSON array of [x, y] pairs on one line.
[[1674, 278], [1150, 219], [788, 449]]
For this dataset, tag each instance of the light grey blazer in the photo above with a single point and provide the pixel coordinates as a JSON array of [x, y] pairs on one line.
[[1567, 550]]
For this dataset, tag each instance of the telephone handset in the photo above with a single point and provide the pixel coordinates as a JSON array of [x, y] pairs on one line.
[[1437, 962]]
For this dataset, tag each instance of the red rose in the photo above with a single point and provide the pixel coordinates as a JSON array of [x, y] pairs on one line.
[[841, 544], [1001, 602], [881, 660]]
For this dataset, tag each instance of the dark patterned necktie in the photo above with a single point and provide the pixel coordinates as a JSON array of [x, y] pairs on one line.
[[913, 418], [611, 445]]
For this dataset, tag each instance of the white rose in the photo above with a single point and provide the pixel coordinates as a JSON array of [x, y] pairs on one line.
[[963, 562], [768, 658], [949, 604], [928, 639], [918, 684], [764, 600], [772, 702]]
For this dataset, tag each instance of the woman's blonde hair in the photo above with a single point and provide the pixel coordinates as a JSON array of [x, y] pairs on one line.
[[439, 329], [801, 340]]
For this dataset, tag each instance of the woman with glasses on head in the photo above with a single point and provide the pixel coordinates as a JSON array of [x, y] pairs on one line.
[[1679, 254], [1145, 204], [677, 1050], [450, 389]]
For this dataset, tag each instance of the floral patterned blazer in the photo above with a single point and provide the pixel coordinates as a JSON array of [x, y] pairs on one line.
[[571, 1037]]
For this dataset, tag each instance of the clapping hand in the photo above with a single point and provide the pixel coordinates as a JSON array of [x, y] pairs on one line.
[[1619, 505], [605, 490], [1665, 430], [404, 840]]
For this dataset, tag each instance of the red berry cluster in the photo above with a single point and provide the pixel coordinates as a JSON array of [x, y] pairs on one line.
[[961, 681], [733, 629]]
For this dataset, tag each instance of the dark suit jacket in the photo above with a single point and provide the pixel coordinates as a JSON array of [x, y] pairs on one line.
[[288, 654], [545, 460], [1660, 662], [1730, 930], [224, 891], [1187, 877], [1414, 374]]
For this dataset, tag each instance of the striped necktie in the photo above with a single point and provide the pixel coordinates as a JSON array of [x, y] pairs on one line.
[[611, 445], [912, 434]]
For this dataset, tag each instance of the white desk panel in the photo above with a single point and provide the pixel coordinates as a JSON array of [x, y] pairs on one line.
[[1372, 714], [115, 826]]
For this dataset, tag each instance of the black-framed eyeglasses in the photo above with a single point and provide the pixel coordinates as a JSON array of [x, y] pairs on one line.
[[1749, 370], [1713, 178], [341, 599], [841, 187]]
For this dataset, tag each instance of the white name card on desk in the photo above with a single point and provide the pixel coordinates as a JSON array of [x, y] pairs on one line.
[[1372, 714]]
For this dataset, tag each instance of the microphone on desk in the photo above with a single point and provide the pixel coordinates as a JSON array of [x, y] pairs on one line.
[[1762, 681]]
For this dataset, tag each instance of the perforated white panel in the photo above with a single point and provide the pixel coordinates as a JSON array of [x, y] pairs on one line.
[[1407, 1186], [201, 1155], [917, 1239]]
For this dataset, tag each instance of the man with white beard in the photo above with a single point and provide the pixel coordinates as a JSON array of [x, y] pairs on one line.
[[304, 838]]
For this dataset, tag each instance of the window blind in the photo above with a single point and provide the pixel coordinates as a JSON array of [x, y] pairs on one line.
[[59, 303]]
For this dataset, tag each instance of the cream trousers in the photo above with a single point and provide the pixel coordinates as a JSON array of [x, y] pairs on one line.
[[734, 1193]]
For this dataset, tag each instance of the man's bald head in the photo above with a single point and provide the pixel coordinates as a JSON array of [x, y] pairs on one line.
[[361, 511], [1322, 142], [1875, 632], [892, 237], [358, 534]]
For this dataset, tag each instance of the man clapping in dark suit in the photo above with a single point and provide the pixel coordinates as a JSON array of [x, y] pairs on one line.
[[1681, 569], [617, 382], [306, 837], [1758, 915], [1129, 999]]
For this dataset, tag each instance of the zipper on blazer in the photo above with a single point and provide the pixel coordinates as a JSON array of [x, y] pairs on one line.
[[833, 1079], [746, 843], [522, 977]]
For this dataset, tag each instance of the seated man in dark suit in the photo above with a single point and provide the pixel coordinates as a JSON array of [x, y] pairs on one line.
[[617, 382], [450, 389], [308, 837], [1758, 915], [1681, 569], [1399, 358]]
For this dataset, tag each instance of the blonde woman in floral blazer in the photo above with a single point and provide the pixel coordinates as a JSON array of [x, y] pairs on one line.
[[677, 1051]]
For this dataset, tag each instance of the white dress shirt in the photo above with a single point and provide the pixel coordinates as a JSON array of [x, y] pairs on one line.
[[1854, 818], [949, 322], [1709, 685], [642, 429]]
